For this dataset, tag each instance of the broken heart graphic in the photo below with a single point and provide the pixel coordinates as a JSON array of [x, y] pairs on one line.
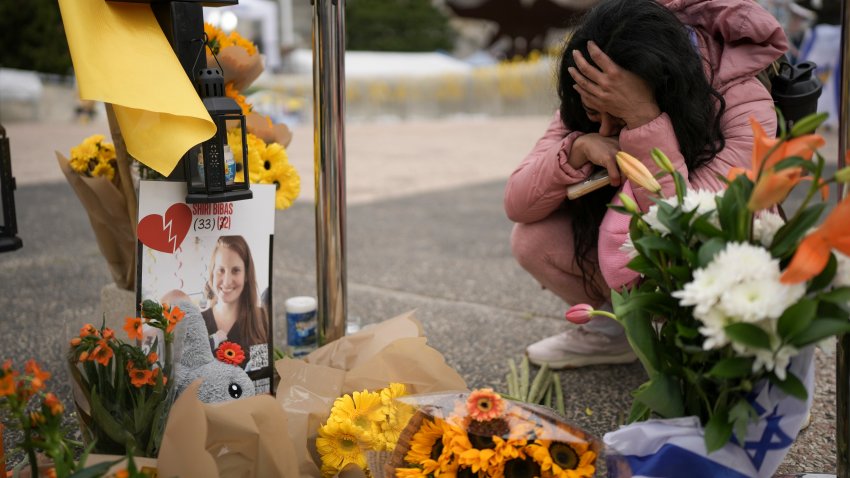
[[165, 234]]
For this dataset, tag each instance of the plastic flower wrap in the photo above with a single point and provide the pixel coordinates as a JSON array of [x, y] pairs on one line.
[[267, 164], [94, 158], [481, 434], [361, 427], [126, 390]]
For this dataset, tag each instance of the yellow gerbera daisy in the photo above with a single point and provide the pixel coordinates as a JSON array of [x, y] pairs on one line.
[[340, 444], [287, 184], [362, 409], [103, 169], [397, 414]]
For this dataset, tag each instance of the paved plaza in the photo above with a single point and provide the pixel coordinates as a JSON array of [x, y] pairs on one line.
[[425, 231]]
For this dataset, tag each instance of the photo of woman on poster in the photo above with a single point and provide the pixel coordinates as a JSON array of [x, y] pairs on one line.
[[235, 314]]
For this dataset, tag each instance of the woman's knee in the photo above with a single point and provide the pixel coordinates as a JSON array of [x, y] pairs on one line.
[[535, 245]]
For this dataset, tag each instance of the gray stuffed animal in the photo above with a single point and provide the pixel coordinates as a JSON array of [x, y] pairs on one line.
[[221, 382]]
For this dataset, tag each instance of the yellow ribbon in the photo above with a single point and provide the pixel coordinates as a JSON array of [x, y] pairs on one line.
[[121, 56]]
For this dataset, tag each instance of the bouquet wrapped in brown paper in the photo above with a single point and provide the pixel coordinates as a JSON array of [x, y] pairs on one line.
[[243, 438], [394, 351], [99, 173]]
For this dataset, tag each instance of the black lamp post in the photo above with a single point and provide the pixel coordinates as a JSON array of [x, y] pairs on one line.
[[212, 168], [9, 226]]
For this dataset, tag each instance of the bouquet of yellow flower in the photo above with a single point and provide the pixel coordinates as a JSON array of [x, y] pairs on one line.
[[481, 434], [267, 164], [94, 158], [126, 388], [238, 56], [362, 426], [102, 181]]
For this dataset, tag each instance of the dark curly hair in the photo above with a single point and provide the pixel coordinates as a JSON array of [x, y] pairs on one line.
[[644, 38]]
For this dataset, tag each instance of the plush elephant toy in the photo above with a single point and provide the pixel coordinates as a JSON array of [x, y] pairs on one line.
[[221, 382]]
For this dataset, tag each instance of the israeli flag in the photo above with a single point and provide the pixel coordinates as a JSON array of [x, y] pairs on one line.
[[670, 448]]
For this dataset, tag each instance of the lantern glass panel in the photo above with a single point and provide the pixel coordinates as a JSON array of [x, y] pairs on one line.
[[234, 162], [195, 159]]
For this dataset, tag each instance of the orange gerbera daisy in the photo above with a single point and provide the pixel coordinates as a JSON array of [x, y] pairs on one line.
[[140, 377], [102, 353], [813, 252], [484, 404], [230, 352], [133, 326]]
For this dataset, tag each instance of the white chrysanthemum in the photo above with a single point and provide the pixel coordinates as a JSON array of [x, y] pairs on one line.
[[702, 200], [746, 262], [776, 361], [713, 329], [705, 289], [754, 300], [842, 273], [765, 227], [651, 218], [628, 248]]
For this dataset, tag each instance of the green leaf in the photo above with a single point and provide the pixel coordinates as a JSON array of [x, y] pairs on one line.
[[718, 431], [795, 162], [663, 395], [808, 124], [732, 367], [703, 226], [104, 421], [797, 318], [748, 334], [791, 385], [824, 279], [685, 331], [820, 329], [840, 296], [741, 414], [657, 243], [789, 235], [639, 412], [709, 249]]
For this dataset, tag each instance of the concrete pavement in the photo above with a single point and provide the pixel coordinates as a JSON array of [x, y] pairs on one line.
[[426, 231]]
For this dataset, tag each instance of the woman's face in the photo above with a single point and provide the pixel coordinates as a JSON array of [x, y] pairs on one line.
[[609, 125], [228, 275]]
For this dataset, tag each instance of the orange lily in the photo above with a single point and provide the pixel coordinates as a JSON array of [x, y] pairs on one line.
[[773, 186], [637, 172], [813, 253]]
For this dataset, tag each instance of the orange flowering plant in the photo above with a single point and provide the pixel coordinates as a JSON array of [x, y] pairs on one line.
[[126, 387], [732, 288]]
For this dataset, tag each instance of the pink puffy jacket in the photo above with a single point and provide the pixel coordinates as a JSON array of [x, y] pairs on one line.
[[751, 40]]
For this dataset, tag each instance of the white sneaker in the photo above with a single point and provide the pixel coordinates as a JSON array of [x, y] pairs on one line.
[[579, 347]]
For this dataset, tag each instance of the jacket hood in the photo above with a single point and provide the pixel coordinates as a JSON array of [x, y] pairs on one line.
[[750, 37]]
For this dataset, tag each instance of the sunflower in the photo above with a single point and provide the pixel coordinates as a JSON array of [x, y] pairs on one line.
[[426, 446], [563, 460], [340, 444], [484, 404], [410, 473], [230, 353]]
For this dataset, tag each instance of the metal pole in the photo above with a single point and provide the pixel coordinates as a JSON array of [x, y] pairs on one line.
[[842, 358], [329, 164]]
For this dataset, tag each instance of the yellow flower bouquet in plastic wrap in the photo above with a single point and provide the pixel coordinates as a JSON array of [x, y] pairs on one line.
[[481, 434]]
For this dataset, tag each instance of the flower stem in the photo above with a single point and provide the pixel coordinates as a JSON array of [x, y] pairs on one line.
[[603, 313]]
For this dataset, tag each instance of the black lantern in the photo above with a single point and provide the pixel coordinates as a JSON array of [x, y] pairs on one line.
[[9, 226], [214, 173]]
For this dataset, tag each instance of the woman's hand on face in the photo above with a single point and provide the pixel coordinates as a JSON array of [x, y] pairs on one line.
[[612, 89], [599, 150]]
